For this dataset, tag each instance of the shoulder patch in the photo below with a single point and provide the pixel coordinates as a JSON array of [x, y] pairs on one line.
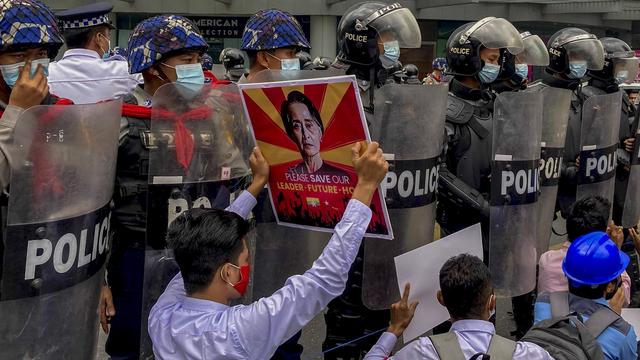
[[458, 110]]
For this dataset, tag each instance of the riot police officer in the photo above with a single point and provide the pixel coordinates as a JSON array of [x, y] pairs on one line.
[[122, 298], [370, 36], [411, 71], [306, 61], [572, 52], [514, 74], [233, 62], [620, 66], [474, 52]]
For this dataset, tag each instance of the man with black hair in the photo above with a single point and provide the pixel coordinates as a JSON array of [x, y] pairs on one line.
[[587, 215], [466, 290], [193, 316], [83, 75], [304, 126]]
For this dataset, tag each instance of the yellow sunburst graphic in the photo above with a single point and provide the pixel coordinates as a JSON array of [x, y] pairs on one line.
[[340, 155], [276, 155], [260, 98], [333, 95]]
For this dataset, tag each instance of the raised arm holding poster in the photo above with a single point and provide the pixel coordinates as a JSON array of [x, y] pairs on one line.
[[306, 129]]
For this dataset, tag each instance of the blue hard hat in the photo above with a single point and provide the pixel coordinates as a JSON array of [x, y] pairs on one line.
[[594, 259], [28, 23], [439, 63], [157, 36], [273, 29]]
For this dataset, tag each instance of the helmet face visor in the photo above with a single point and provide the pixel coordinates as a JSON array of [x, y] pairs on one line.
[[626, 68], [495, 33], [400, 25], [535, 52], [586, 48]]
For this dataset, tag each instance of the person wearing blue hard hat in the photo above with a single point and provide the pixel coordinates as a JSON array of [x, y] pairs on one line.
[[163, 49], [30, 38], [271, 39], [83, 74], [593, 266]]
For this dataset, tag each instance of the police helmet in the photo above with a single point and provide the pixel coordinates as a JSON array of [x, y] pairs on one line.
[[322, 63], [29, 23], [439, 64], [362, 24], [273, 29], [411, 70], [207, 62], [306, 61], [465, 43], [574, 43], [620, 62], [160, 35], [534, 54]]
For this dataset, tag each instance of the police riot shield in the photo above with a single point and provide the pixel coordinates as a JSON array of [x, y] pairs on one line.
[[557, 103], [56, 238], [517, 121], [631, 212], [282, 251], [199, 148], [411, 132], [598, 144]]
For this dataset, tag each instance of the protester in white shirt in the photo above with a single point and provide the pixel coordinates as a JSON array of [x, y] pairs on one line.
[[193, 319]]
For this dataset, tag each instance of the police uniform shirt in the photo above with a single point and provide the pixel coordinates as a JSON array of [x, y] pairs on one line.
[[84, 77], [182, 327], [474, 336]]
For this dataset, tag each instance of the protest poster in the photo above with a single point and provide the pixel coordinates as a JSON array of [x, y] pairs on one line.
[[306, 129]]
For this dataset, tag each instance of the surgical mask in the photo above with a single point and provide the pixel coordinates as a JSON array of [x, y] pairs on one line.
[[522, 70], [622, 76], [287, 64], [577, 69], [391, 54], [489, 73], [188, 74], [245, 272], [10, 73], [290, 64], [105, 54]]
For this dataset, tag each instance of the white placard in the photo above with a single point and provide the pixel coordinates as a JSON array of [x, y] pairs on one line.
[[421, 268]]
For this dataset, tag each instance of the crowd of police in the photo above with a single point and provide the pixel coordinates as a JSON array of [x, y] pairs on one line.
[[476, 141]]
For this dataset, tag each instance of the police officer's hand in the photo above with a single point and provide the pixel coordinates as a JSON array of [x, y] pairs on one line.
[[629, 144], [615, 233], [260, 171], [401, 313], [371, 168], [106, 310], [27, 91]]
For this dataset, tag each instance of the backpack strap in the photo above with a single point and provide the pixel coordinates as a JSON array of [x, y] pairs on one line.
[[447, 346], [501, 348], [600, 320], [559, 302]]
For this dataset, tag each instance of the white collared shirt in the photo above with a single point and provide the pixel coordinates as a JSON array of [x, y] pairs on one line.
[[182, 327], [474, 336], [85, 78]]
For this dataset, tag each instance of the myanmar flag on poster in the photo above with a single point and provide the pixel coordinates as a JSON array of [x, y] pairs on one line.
[[306, 129]]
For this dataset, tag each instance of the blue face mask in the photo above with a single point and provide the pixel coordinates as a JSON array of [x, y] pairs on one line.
[[489, 73], [522, 70], [577, 69], [290, 64], [622, 76], [191, 74], [10, 73], [391, 54]]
